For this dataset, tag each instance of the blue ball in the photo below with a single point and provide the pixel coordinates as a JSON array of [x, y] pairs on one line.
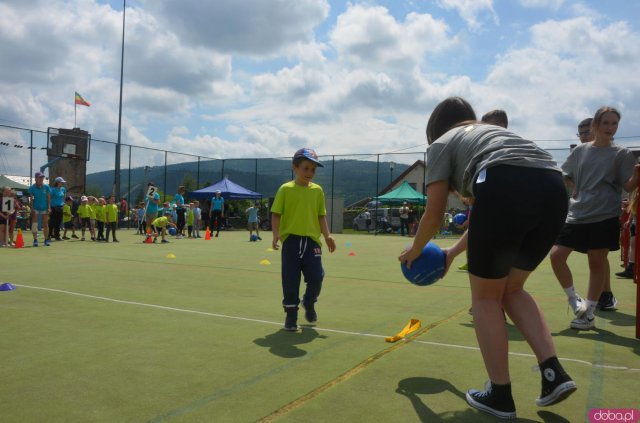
[[428, 267], [459, 218], [254, 237], [172, 231]]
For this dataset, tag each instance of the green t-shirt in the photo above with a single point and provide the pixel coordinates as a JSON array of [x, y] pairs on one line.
[[299, 208], [111, 212], [160, 222], [66, 213], [190, 217], [84, 211], [99, 212]]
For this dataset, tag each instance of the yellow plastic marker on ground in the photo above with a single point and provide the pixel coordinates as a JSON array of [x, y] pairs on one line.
[[265, 262], [412, 326], [269, 249], [171, 256]]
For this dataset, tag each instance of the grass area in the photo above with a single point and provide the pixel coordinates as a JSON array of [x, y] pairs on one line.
[[120, 332]]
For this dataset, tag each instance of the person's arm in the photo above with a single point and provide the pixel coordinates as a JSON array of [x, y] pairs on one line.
[[437, 194], [275, 229], [632, 183], [324, 228], [49, 202]]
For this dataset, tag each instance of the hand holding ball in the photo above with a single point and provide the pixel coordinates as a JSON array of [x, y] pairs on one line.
[[428, 267]]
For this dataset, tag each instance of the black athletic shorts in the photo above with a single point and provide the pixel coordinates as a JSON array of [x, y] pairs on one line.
[[583, 237], [516, 217]]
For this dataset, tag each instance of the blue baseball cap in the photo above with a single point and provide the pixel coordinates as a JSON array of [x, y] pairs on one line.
[[309, 154]]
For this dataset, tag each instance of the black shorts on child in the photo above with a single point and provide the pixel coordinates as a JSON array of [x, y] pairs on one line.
[[583, 237]]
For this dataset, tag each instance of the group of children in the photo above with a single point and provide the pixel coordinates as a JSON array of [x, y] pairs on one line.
[[98, 216], [167, 217]]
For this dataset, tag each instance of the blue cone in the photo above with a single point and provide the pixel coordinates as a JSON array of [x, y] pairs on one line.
[[7, 287]]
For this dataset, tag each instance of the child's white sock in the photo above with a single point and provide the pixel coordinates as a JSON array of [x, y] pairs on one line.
[[571, 292], [591, 309]]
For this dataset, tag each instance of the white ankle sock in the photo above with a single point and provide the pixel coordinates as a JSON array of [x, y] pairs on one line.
[[571, 292]]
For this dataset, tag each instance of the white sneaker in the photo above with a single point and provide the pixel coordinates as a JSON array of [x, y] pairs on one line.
[[578, 306], [584, 323]]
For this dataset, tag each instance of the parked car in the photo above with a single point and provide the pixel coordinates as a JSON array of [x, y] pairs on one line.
[[392, 216]]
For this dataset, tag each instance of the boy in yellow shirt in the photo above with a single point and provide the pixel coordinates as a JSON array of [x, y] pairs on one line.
[[84, 213], [111, 217], [298, 218], [99, 209], [67, 219], [160, 224]]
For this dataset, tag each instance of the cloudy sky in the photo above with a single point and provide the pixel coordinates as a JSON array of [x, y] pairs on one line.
[[261, 78]]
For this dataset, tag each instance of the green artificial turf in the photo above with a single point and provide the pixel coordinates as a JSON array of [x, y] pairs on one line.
[[122, 333]]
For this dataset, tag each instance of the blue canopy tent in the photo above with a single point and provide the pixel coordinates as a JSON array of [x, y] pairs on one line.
[[228, 189]]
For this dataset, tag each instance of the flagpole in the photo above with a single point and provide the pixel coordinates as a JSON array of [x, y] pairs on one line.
[[116, 182], [75, 107]]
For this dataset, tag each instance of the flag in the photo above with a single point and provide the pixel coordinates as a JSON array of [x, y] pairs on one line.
[[81, 101]]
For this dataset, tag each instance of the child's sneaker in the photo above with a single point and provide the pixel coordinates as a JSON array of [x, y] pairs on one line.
[[291, 321], [74, 236], [35, 242], [607, 301], [584, 323], [310, 312], [578, 306], [556, 383], [66, 238], [495, 399], [164, 241], [47, 242]]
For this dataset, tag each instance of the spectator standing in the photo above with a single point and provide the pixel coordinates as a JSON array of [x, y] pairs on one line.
[[41, 207], [404, 219], [217, 211], [111, 218], [58, 194]]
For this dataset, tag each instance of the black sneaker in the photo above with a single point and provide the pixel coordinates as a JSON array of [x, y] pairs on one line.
[[627, 273], [607, 301], [556, 383], [291, 321], [310, 313], [495, 399]]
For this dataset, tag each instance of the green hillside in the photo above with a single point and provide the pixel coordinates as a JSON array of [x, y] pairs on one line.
[[352, 179]]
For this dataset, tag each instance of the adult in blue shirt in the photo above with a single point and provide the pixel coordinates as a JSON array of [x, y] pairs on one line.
[[58, 193], [217, 211], [41, 206], [178, 199], [152, 202]]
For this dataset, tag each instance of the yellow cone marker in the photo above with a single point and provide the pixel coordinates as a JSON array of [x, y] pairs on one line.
[[171, 256], [265, 262], [269, 249], [412, 326]]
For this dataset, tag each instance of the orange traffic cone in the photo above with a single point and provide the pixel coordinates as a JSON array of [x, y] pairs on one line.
[[148, 239], [207, 235], [19, 239]]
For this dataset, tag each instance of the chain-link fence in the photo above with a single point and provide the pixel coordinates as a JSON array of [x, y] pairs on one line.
[[350, 182]]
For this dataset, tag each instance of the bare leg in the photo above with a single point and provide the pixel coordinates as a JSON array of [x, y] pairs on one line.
[[527, 316], [598, 265], [559, 255], [491, 331]]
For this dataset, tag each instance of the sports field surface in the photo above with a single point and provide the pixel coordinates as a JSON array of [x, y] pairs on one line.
[[191, 331]]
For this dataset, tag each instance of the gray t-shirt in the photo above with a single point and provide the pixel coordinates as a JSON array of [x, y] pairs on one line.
[[599, 174], [459, 155]]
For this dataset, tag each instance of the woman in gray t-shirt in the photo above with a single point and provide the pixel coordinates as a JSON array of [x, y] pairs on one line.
[[501, 171]]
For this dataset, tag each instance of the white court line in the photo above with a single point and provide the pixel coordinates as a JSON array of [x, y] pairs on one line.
[[417, 341]]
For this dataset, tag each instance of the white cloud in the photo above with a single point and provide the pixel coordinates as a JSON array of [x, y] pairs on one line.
[[547, 4], [371, 37], [250, 27], [472, 10]]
